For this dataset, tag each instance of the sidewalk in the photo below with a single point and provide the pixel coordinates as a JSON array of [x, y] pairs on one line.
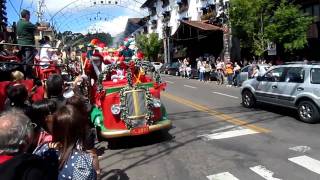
[[225, 82]]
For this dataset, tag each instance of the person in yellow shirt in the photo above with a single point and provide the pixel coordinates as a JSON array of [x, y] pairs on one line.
[[229, 72]]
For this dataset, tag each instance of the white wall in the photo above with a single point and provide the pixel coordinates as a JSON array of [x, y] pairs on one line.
[[193, 13]]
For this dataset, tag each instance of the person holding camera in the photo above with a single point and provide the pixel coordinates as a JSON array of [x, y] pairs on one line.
[[25, 35]]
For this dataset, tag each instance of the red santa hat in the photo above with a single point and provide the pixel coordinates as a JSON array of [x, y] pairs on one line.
[[94, 41]]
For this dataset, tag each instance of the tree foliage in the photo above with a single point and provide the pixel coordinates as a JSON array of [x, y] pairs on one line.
[[257, 22], [289, 27], [149, 45], [74, 39]]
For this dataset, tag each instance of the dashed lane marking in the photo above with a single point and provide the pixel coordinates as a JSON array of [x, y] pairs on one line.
[[170, 82], [226, 95], [263, 172], [229, 134], [222, 176], [301, 149], [307, 162], [216, 114], [190, 86]]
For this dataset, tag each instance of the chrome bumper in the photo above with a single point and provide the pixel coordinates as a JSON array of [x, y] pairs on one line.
[[165, 124]]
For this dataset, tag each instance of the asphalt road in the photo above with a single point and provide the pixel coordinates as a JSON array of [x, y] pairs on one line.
[[214, 137]]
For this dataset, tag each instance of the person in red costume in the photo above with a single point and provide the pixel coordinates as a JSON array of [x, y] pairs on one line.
[[140, 55], [93, 66]]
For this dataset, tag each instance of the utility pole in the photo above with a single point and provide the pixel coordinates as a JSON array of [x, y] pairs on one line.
[[166, 42], [40, 13], [222, 13]]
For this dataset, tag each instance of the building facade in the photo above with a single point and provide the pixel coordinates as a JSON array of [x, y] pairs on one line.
[[167, 16], [3, 20], [312, 8], [168, 13]]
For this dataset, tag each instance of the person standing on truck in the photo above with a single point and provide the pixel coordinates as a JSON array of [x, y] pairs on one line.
[[25, 35]]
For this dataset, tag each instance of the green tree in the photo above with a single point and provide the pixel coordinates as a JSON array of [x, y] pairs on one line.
[[149, 45], [257, 22], [75, 39], [289, 27]]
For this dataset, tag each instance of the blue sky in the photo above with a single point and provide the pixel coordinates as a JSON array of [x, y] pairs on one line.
[[81, 15]]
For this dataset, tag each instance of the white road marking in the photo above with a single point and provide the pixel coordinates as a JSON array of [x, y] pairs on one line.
[[170, 82], [301, 149], [190, 86], [222, 176], [228, 134], [229, 127], [226, 95], [263, 172], [307, 162]]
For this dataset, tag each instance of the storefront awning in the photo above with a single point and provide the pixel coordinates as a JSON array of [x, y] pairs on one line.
[[202, 25], [188, 30], [198, 37]]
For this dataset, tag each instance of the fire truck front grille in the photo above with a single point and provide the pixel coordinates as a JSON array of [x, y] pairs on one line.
[[136, 104]]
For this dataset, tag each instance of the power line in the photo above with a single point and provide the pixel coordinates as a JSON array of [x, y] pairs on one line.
[[20, 5], [48, 11], [14, 8]]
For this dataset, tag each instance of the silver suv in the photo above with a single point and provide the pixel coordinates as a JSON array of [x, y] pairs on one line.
[[293, 85]]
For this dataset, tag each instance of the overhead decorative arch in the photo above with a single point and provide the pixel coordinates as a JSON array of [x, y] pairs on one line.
[[72, 12], [89, 17]]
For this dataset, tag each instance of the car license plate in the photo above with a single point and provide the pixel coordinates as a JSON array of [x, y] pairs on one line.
[[140, 130]]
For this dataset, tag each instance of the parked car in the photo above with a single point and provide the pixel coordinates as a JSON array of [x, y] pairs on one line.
[[171, 69], [245, 72], [164, 68], [157, 65], [194, 73], [147, 65], [294, 86]]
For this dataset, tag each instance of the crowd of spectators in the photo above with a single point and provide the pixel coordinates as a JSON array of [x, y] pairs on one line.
[[47, 139], [208, 69]]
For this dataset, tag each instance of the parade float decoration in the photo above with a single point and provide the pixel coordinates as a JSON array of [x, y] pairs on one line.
[[126, 99]]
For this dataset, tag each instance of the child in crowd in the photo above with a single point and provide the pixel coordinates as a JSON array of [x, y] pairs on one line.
[[17, 76]]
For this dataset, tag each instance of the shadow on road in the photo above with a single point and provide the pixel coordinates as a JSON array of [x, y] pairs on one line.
[[278, 110], [139, 141], [114, 174], [145, 149]]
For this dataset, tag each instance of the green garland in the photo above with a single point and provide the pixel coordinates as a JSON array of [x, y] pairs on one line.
[[157, 77], [124, 108], [129, 78], [110, 67]]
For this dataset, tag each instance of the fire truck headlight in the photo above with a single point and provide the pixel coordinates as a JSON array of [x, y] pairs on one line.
[[156, 103], [115, 109]]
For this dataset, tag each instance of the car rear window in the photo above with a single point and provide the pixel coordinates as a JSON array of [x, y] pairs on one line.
[[315, 76]]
